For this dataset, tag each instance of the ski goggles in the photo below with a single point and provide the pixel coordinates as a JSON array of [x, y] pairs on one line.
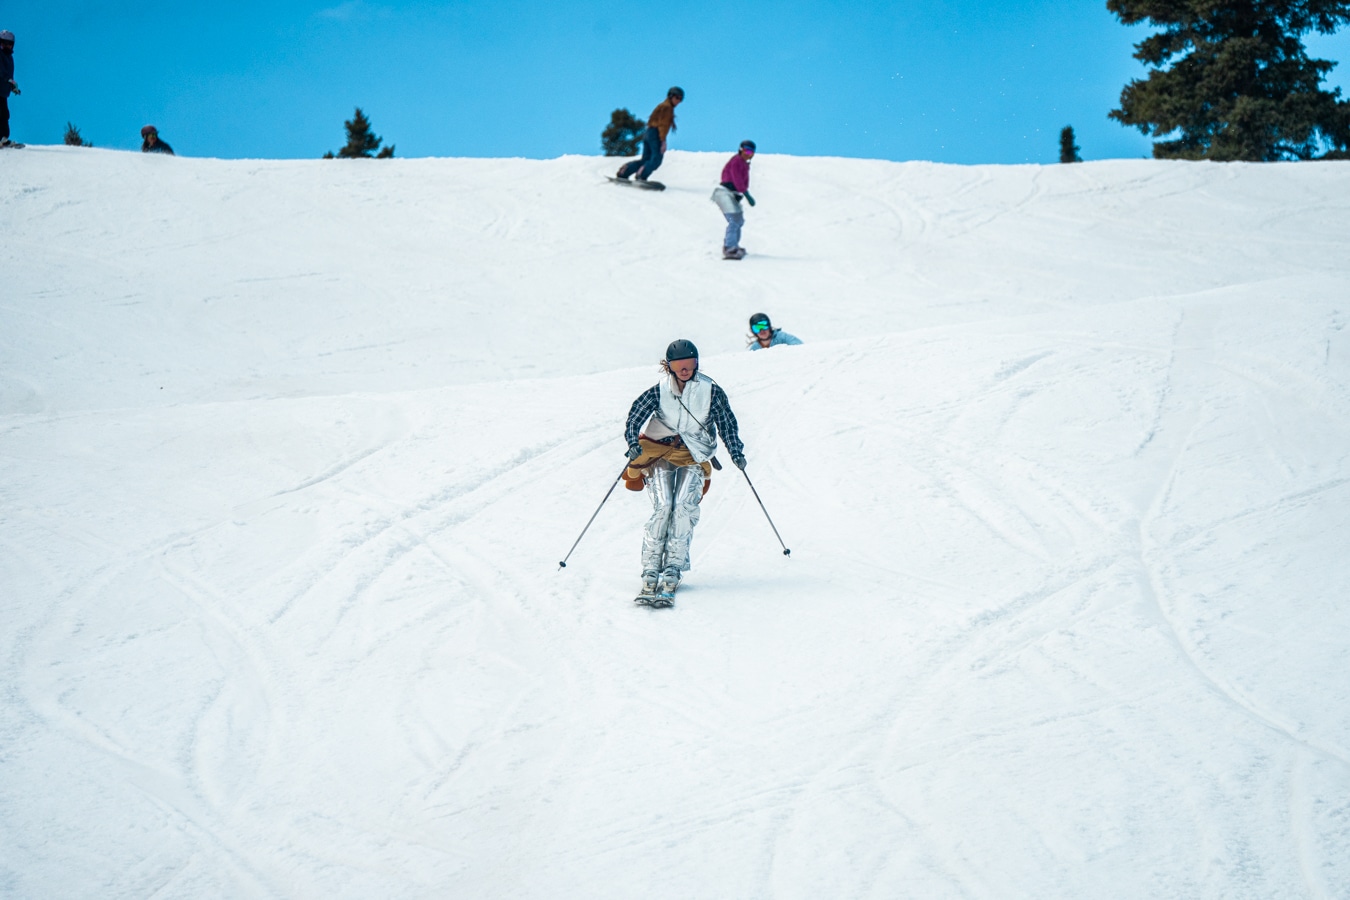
[[759, 326]]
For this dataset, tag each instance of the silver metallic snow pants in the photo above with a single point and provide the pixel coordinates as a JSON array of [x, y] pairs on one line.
[[675, 494]]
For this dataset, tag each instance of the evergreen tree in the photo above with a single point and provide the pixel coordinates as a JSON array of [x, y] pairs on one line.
[[1068, 150], [623, 134], [74, 138], [361, 142], [1238, 83]]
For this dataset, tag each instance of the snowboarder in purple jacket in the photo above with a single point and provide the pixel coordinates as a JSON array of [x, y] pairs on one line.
[[735, 185]]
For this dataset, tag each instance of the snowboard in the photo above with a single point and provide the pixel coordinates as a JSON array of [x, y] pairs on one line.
[[12, 145], [643, 185]]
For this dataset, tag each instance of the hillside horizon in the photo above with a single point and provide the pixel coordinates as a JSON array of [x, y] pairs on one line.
[[290, 451]]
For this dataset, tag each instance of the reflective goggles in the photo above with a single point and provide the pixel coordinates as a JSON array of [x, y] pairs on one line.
[[759, 326]]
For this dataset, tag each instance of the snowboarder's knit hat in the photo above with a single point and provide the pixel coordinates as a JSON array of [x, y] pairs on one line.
[[6, 37], [149, 130]]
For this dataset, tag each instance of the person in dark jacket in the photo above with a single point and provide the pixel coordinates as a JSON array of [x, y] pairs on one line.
[[150, 142], [659, 125], [735, 186], [7, 85]]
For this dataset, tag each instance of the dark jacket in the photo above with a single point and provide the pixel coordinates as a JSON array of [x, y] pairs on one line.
[[157, 147], [6, 71]]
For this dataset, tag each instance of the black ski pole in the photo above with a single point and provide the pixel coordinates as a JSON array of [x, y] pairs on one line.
[[786, 551], [563, 563]]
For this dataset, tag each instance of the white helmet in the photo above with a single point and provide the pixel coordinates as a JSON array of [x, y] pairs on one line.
[[7, 36]]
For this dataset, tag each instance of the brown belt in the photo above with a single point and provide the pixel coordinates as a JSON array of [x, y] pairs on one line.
[[673, 441]]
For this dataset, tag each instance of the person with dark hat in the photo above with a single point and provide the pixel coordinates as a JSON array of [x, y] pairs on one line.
[[659, 125], [150, 142], [7, 85], [735, 186], [763, 335], [672, 433]]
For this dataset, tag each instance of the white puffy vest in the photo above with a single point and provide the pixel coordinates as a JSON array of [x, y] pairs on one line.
[[697, 397]]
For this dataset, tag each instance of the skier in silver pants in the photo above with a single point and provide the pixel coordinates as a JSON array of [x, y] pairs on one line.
[[675, 493], [672, 433]]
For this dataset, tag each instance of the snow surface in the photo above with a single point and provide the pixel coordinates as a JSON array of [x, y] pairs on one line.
[[289, 452]]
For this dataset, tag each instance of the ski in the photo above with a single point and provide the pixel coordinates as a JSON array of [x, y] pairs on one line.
[[660, 595], [656, 601]]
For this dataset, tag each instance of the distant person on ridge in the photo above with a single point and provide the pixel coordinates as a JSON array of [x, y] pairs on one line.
[[672, 435], [735, 185], [150, 142], [659, 125], [7, 85], [763, 335]]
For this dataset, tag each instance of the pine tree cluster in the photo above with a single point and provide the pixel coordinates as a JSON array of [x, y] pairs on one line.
[[1231, 80], [361, 142], [623, 134]]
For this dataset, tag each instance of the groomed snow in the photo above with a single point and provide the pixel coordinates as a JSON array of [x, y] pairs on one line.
[[289, 452]]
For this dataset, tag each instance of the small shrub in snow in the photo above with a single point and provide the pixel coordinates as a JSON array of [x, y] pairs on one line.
[[74, 138], [1068, 150], [362, 143], [622, 135]]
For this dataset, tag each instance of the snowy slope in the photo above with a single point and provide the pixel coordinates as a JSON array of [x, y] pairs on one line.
[[289, 452]]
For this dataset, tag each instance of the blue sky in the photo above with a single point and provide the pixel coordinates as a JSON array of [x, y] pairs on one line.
[[963, 81]]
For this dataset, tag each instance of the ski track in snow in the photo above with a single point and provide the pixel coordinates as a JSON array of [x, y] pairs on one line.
[[1062, 466]]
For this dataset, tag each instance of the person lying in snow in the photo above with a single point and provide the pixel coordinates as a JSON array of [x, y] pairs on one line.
[[763, 335]]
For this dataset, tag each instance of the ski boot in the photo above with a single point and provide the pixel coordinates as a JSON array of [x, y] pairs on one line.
[[651, 585], [665, 594]]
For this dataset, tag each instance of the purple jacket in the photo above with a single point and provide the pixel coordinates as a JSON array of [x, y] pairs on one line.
[[736, 174]]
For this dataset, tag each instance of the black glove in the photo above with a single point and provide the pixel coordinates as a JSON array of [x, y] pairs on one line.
[[634, 451], [739, 461]]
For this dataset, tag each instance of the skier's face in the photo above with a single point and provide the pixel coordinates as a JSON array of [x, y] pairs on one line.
[[684, 369]]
